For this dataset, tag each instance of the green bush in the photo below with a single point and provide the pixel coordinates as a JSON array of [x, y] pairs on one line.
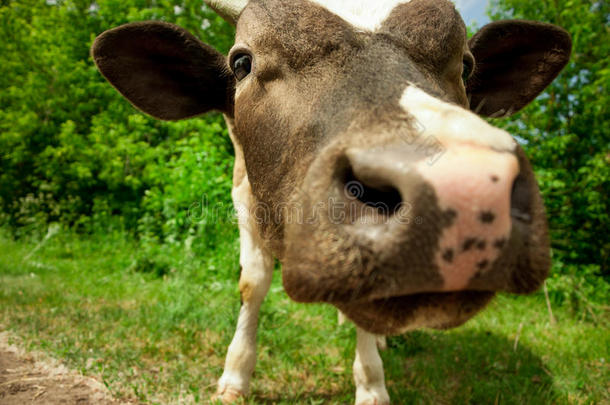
[[74, 151]]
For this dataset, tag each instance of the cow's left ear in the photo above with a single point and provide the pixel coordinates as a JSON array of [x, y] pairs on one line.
[[164, 70], [515, 60]]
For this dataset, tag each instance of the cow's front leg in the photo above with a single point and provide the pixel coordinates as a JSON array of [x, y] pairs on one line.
[[256, 273], [368, 371]]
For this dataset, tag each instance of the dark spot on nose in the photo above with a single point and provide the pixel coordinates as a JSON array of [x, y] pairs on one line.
[[482, 264], [494, 178], [499, 244], [449, 217], [468, 243], [481, 245], [487, 217], [448, 255]]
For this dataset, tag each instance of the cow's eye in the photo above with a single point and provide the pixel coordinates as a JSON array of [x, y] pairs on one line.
[[468, 65], [242, 65]]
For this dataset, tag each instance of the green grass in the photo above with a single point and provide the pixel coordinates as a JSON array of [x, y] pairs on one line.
[[161, 336]]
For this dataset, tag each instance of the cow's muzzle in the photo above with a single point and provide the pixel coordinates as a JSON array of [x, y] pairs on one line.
[[393, 223]]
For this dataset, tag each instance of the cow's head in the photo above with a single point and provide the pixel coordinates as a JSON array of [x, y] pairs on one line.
[[378, 185]]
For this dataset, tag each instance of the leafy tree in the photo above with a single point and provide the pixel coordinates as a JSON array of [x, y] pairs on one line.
[[73, 150], [565, 133]]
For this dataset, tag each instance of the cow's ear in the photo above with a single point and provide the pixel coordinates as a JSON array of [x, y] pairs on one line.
[[515, 61], [164, 70]]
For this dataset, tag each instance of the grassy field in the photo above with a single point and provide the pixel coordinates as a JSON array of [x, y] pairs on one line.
[[160, 336]]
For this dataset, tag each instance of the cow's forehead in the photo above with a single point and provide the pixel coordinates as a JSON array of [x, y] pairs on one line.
[[363, 14]]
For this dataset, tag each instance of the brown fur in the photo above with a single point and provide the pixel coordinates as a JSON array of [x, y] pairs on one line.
[[164, 70], [509, 52]]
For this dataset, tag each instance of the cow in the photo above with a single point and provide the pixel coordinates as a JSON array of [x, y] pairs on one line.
[[362, 162]]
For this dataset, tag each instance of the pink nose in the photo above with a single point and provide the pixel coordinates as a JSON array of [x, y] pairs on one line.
[[472, 184], [476, 184]]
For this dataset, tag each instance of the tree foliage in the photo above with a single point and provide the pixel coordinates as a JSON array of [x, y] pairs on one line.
[[73, 150], [566, 135]]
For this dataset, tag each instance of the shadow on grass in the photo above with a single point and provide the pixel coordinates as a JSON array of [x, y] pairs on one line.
[[461, 366], [464, 366]]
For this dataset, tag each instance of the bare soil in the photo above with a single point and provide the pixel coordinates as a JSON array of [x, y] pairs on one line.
[[33, 378]]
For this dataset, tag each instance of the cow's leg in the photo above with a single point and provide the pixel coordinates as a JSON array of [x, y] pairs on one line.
[[382, 343], [256, 273], [368, 371]]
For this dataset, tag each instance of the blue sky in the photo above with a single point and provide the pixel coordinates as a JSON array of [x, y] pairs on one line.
[[473, 10]]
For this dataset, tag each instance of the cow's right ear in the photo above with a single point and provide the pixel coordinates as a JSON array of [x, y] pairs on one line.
[[164, 71], [515, 61]]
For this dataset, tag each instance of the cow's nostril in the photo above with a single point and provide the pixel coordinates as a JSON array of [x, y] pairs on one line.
[[383, 197], [520, 200]]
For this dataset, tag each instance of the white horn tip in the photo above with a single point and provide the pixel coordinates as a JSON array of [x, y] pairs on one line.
[[228, 9]]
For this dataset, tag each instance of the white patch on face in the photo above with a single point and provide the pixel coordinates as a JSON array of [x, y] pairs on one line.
[[363, 14], [449, 124]]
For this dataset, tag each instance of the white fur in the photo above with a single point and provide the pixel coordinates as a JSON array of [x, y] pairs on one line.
[[449, 123], [364, 14], [368, 371]]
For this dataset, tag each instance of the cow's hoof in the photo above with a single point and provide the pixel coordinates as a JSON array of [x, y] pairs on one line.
[[372, 397], [228, 396]]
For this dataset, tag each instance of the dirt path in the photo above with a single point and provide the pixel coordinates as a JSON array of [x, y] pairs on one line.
[[33, 378]]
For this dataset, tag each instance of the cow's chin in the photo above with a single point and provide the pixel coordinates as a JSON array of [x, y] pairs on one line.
[[396, 315]]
